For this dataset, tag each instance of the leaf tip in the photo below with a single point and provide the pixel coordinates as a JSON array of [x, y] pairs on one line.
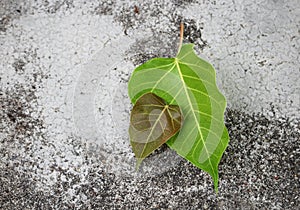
[[216, 188], [138, 163], [216, 182]]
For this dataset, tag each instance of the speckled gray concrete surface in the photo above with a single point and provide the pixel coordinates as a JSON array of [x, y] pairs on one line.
[[64, 108]]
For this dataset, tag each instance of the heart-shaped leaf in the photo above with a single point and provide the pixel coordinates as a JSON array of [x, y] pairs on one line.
[[189, 82], [152, 123]]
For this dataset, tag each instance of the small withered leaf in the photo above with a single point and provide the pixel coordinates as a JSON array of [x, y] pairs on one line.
[[152, 123]]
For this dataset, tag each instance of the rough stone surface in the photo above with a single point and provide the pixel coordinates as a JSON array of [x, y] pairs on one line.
[[64, 107]]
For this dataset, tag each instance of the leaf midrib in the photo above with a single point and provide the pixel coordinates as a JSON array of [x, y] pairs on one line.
[[197, 123], [152, 129]]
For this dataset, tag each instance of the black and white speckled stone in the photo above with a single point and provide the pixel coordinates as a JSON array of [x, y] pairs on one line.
[[259, 170], [44, 44]]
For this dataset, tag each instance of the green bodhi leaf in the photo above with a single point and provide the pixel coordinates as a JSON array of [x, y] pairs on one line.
[[152, 123], [189, 82]]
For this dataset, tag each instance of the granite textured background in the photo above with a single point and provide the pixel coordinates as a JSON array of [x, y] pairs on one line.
[[64, 107]]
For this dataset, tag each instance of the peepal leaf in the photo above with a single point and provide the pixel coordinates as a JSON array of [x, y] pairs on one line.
[[189, 82], [152, 123]]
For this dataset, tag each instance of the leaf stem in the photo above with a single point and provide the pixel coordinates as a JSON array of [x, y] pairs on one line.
[[181, 36]]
